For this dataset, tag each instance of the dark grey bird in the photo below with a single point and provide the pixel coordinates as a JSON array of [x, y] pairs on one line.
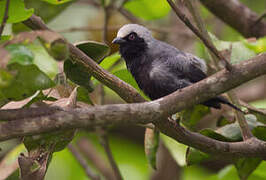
[[159, 68]]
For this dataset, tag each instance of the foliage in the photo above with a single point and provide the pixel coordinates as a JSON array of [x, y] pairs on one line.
[[29, 76]]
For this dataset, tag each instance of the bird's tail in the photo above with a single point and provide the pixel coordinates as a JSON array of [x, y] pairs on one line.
[[225, 101]]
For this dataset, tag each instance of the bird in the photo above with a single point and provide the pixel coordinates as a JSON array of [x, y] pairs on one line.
[[160, 68]]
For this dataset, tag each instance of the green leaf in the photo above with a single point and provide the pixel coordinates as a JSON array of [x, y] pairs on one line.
[[260, 171], [23, 77], [83, 95], [260, 132], [128, 154], [194, 156], [40, 149], [27, 79], [77, 72], [127, 77], [258, 47], [51, 11], [151, 144], [4, 38], [58, 49], [9, 161], [39, 97], [93, 49], [230, 172], [20, 54], [190, 117], [5, 78], [239, 51], [177, 150], [16, 11], [228, 133], [222, 121], [55, 141], [109, 61], [56, 2], [148, 9], [214, 135], [232, 131], [43, 60], [245, 166]]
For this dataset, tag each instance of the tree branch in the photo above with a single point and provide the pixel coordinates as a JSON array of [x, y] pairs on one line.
[[192, 6], [260, 18], [146, 112], [87, 149], [253, 109], [237, 16], [105, 143], [206, 41], [246, 133], [5, 17], [154, 112], [82, 162], [124, 90]]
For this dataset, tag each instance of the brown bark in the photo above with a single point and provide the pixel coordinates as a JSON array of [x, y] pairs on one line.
[[238, 16], [154, 111]]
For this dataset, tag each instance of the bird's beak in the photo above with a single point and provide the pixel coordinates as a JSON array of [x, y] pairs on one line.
[[118, 40]]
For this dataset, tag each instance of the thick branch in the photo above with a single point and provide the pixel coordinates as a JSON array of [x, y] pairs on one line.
[[154, 112], [146, 112], [238, 16]]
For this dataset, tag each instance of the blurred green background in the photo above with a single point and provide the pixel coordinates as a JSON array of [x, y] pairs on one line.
[[82, 20]]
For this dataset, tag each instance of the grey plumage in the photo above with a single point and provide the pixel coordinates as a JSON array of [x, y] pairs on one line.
[[159, 68]]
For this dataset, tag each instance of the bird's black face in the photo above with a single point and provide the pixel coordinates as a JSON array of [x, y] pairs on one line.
[[131, 46]]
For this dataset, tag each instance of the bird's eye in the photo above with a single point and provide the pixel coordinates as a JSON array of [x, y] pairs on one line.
[[131, 37]]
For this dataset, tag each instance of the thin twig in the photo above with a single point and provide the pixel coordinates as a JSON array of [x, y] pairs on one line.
[[168, 105], [245, 131], [151, 112], [252, 108], [260, 18], [123, 3], [207, 43], [105, 143], [83, 163], [129, 16], [150, 125], [105, 24], [5, 17], [92, 155], [193, 8]]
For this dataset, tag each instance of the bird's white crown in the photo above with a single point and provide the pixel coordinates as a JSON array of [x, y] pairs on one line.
[[141, 31]]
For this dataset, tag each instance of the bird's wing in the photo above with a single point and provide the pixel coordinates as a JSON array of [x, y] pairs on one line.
[[189, 65]]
